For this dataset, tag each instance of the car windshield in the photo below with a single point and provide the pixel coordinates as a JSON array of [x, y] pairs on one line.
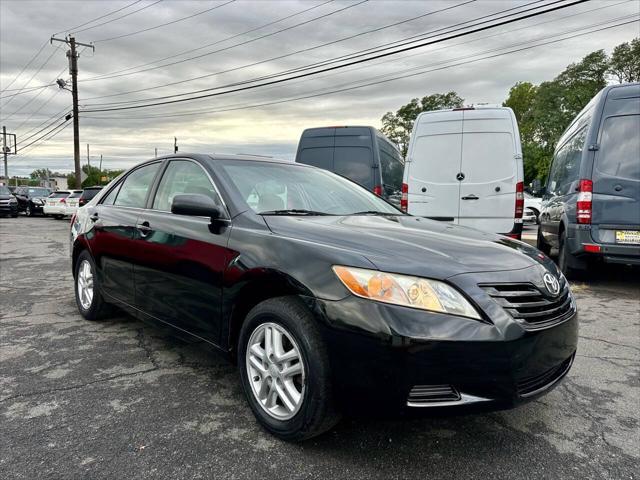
[[292, 189], [39, 192], [4, 190]]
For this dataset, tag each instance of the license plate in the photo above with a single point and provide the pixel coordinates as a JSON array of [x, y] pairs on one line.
[[628, 236]]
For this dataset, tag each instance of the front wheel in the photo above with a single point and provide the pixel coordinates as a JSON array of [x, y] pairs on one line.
[[28, 211], [284, 370]]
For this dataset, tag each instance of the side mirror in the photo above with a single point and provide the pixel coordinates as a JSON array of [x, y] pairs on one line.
[[195, 205]]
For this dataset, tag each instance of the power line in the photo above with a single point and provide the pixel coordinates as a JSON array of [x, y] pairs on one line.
[[41, 141], [117, 18], [61, 117], [234, 45], [25, 67], [340, 90], [217, 41], [292, 53], [72, 29], [164, 24], [335, 67], [29, 81], [20, 144]]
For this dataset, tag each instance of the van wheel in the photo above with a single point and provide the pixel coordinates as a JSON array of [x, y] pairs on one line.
[[543, 246], [571, 266], [284, 370], [90, 303]]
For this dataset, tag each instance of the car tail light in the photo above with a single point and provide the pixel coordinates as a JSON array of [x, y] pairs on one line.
[[404, 200], [62, 200], [519, 201], [377, 190], [81, 202], [584, 203]]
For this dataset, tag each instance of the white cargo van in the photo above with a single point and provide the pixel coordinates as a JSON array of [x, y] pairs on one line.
[[465, 166]]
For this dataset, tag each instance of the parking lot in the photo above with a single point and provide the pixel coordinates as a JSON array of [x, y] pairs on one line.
[[119, 399]]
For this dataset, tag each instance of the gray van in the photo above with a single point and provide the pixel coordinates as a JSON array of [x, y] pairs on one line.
[[362, 154], [591, 203]]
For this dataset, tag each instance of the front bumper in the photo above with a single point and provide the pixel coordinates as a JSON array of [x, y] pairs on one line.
[[8, 209], [381, 355]]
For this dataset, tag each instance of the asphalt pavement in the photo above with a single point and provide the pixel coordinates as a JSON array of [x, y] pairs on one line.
[[119, 399]]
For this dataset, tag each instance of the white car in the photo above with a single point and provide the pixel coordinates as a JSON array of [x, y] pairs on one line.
[[72, 202], [532, 204], [55, 204]]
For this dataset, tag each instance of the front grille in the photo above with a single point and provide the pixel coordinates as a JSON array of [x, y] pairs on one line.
[[424, 394], [530, 306], [531, 385]]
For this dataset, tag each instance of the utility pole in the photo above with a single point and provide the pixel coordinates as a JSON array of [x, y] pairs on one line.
[[72, 55], [156, 156], [4, 152], [100, 164], [175, 145], [88, 158]]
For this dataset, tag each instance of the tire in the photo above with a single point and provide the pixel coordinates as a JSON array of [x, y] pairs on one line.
[[541, 244], [14, 215], [28, 211], [58, 217], [571, 266], [314, 413], [94, 308]]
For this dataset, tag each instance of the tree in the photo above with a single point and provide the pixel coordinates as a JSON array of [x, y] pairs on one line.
[[40, 173], [625, 61], [397, 126]]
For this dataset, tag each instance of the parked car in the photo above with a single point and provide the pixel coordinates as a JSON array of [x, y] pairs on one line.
[[56, 204], [31, 199], [533, 204], [464, 166], [87, 195], [591, 204], [73, 201], [8, 203], [329, 298], [361, 154], [529, 217]]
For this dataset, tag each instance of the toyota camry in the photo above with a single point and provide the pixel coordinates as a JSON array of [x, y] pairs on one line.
[[329, 299]]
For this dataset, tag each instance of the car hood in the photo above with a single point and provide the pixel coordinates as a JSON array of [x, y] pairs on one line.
[[411, 245]]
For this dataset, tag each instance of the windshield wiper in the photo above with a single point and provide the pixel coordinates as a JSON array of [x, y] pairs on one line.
[[292, 211], [374, 212]]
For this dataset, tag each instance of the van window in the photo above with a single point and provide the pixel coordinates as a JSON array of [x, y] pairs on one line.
[[321, 157], [392, 166], [355, 164], [566, 164], [619, 154], [487, 157]]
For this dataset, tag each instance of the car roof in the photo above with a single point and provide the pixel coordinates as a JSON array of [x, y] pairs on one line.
[[217, 156]]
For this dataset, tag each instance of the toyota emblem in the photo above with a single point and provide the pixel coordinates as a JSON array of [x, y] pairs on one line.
[[552, 284]]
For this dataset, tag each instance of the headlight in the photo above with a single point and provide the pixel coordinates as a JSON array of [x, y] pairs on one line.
[[37, 200], [404, 290], [13, 200]]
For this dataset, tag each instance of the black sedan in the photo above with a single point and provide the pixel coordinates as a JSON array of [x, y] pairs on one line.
[[330, 299], [8, 203], [31, 200]]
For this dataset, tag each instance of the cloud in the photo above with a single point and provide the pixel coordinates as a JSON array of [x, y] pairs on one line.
[[123, 138]]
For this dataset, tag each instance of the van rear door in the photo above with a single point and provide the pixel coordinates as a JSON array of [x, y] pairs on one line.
[[490, 155], [433, 163], [616, 176]]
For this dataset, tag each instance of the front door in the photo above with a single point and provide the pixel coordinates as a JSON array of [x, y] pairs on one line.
[[179, 268]]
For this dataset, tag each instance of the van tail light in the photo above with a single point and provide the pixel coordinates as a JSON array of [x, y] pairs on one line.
[[584, 204], [404, 199], [378, 190], [519, 202]]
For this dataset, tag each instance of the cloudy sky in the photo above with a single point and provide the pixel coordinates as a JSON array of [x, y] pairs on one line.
[[138, 58]]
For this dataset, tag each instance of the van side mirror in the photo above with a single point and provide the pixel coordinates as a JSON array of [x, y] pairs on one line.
[[195, 205]]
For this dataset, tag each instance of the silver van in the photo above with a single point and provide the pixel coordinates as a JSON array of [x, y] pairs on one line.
[[591, 202]]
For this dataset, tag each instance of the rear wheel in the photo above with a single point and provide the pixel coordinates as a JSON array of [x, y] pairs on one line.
[[284, 369], [58, 217], [571, 266], [90, 302]]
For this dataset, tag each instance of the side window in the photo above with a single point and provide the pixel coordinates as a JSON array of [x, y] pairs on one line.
[[392, 166], [556, 171], [566, 164], [111, 196], [182, 176], [133, 191]]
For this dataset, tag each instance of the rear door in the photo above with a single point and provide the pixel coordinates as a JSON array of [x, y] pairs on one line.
[[489, 166], [433, 165], [616, 175], [392, 170], [353, 155]]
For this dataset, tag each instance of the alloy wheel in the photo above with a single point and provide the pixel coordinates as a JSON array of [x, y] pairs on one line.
[[85, 285], [276, 371]]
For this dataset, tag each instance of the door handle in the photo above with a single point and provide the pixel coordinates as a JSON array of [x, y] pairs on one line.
[[470, 197], [144, 228]]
